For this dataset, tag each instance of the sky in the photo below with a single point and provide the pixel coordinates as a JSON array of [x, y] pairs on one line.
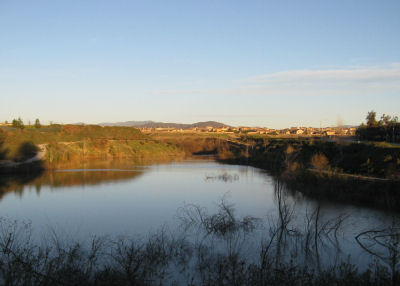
[[244, 63]]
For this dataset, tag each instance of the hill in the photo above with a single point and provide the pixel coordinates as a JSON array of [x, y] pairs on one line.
[[66, 146], [153, 124]]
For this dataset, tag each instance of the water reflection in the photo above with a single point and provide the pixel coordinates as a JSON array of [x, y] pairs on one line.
[[76, 177], [65, 178], [122, 198], [16, 182], [310, 237], [207, 248], [384, 244]]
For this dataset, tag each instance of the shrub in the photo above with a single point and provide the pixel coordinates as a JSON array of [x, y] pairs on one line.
[[26, 150], [319, 161]]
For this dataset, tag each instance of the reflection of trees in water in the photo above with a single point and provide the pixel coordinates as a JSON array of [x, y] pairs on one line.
[[209, 248], [18, 182], [286, 249], [15, 181], [372, 193], [305, 242], [85, 177], [385, 245]]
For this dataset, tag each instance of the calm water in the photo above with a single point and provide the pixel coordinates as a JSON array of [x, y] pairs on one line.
[[136, 200]]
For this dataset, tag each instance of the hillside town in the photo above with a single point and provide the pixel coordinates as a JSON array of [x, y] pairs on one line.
[[296, 131], [292, 131]]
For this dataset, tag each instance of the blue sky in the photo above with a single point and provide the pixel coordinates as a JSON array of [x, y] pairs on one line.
[[265, 63]]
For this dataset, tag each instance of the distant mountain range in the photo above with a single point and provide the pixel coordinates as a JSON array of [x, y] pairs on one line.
[[152, 124]]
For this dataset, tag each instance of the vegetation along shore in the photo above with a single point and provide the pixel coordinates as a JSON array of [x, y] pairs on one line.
[[322, 167]]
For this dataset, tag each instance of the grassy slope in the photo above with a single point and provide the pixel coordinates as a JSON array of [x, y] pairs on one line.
[[195, 143], [72, 142]]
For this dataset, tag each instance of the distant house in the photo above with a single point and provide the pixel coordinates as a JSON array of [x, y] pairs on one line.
[[297, 131], [352, 130], [309, 130], [253, 132], [329, 133]]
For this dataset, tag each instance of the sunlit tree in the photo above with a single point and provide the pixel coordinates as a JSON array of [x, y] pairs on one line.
[[37, 123], [18, 123], [371, 119]]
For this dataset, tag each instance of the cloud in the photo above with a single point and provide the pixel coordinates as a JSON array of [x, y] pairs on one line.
[[333, 76], [352, 81], [349, 81]]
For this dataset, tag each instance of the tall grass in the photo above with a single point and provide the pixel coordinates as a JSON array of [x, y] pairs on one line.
[[13, 138]]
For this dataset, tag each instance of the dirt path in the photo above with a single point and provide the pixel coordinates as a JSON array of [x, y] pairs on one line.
[[38, 157]]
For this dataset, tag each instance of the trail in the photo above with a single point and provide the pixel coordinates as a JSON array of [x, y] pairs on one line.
[[38, 157]]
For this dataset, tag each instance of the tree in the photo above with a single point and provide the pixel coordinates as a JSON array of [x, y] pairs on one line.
[[319, 161], [26, 150], [371, 119], [37, 123], [386, 119], [18, 123], [387, 129]]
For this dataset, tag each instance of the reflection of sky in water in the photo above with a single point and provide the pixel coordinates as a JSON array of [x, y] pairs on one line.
[[145, 197]]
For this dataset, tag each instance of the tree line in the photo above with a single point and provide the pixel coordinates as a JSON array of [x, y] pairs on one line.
[[19, 123], [385, 129]]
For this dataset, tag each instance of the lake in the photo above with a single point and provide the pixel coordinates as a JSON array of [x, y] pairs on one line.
[[120, 198]]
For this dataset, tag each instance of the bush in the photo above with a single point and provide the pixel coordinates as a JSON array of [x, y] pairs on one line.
[[26, 150], [319, 161], [3, 152]]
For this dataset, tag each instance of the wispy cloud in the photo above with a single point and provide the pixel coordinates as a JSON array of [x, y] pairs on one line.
[[329, 82], [359, 74], [352, 81]]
